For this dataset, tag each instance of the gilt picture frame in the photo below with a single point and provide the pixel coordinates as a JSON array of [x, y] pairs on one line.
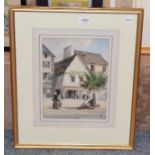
[[69, 79]]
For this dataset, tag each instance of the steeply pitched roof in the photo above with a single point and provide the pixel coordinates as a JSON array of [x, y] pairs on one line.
[[86, 57], [61, 66], [91, 58], [47, 51]]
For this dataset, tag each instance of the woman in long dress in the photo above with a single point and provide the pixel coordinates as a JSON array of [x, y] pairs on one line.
[[59, 98], [55, 100]]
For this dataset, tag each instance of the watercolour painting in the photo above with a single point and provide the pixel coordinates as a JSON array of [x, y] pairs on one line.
[[74, 78]]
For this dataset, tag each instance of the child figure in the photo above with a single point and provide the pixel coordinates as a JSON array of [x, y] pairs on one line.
[[85, 100]]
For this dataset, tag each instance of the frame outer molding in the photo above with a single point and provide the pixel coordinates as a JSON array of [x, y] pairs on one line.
[[136, 78], [139, 13], [13, 79]]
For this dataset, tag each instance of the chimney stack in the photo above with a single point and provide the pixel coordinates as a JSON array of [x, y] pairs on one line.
[[68, 51]]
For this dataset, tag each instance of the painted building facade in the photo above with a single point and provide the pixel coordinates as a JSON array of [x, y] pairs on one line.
[[70, 72], [47, 72]]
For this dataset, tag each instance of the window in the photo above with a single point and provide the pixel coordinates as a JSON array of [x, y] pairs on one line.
[[92, 68], [45, 55], [46, 64], [45, 75], [81, 78], [72, 78], [104, 69]]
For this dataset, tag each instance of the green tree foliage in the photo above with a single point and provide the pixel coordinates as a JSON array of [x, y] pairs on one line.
[[94, 82]]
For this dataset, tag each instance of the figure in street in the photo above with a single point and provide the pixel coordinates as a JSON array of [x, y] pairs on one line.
[[57, 99]]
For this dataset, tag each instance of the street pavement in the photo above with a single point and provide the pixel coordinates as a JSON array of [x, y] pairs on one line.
[[70, 110]]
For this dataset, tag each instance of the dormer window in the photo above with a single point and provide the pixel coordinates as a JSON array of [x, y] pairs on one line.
[[92, 67]]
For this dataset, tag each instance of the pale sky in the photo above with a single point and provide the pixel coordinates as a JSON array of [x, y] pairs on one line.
[[94, 45]]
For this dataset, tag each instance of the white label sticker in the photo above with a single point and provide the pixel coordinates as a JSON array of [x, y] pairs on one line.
[[84, 20], [128, 19]]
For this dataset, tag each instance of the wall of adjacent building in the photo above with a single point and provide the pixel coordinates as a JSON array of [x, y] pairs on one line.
[[51, 67]]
